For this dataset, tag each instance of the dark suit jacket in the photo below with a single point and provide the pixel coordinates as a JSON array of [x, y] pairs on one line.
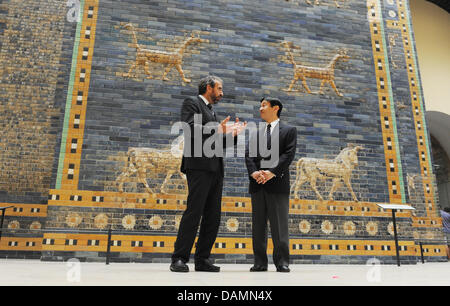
[[190, 107], [287, 145]]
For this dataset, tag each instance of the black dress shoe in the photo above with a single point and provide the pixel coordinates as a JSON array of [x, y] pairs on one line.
[[179, 266], [206, 266], [258, 268], [283, 269]]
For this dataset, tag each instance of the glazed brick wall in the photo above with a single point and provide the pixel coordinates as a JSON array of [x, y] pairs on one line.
[[35, 53], [34, 70], [244, 48]]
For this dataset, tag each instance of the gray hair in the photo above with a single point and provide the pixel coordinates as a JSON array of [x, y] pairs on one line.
[[210, 80]]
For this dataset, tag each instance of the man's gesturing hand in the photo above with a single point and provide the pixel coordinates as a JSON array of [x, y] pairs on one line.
[[238, 127], [223, 129], [235, 129]]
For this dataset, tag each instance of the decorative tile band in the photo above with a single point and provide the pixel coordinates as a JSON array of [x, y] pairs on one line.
[[21, 244], [233, 245], [69, 100], [75, 112], [25, 210], [386, 104], [104, 199], [418, 110]]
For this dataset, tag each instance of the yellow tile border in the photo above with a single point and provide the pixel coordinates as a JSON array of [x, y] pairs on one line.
[[426, 170], [25, 210], [239, 245], [72, 159], [21, 244], [78, 198], [59, 243], [385, 99]]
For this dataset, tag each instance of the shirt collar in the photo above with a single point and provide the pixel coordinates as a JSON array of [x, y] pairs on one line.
[[204, 100], [273, 123]]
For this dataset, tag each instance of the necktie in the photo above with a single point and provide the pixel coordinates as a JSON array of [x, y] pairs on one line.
[[269, 137], [210, 108]]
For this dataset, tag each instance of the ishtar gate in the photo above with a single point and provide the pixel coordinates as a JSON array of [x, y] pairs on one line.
[[90, 91]]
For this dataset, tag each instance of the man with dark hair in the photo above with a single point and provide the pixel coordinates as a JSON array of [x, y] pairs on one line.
[[269, 186], [210, 80], [274, 102], [204, 177]]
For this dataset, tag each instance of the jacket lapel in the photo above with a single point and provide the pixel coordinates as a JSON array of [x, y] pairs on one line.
[[205, 110], [275, 133]]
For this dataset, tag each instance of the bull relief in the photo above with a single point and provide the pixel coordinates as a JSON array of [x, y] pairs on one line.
[[142, 163], [325, 74], [169, 59], [338, 169], [411, 180]]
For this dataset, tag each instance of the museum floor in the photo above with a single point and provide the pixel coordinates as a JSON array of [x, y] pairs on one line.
[[31, 273]]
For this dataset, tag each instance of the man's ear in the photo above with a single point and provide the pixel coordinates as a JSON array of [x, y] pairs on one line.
[[276, 108]]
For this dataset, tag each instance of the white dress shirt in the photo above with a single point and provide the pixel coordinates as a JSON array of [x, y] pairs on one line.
[[273, 124], [206, 102]]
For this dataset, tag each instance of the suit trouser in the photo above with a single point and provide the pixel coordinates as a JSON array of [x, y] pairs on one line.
[[203, 202], [275, 208]]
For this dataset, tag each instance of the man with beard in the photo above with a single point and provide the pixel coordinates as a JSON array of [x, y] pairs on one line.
[[204, 177]]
